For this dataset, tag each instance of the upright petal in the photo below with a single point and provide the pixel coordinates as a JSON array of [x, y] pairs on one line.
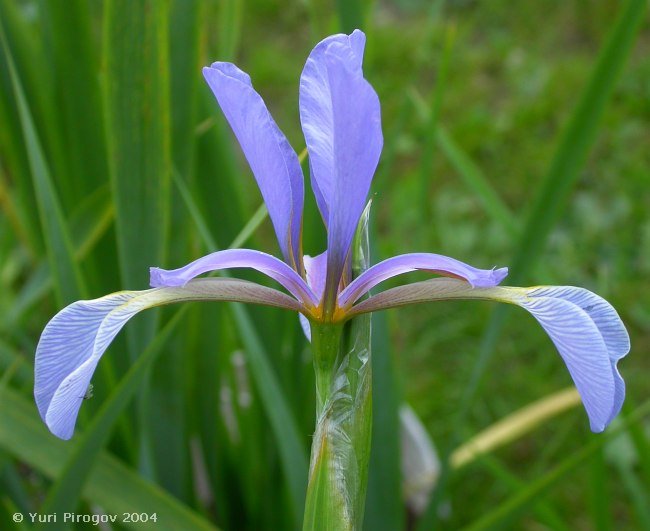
[[341, 119], [405, 263], [585, 329], [235, 258], [317, 117], [75, 339], [273, 161], [315, 270]]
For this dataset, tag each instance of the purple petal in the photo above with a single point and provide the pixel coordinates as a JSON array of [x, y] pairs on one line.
[[584, 351], [273, 161], [233, 258], [405, 263], [317, 116], [75, 339], [340, 116], [586, 330], [610, 327]]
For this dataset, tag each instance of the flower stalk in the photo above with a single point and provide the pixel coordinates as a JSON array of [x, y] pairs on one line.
[[338, 473]]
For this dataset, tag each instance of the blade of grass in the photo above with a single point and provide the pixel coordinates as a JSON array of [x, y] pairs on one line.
[[350, 14], [74, 62], [384, 507], [68, 282], [544, 511], [469, 172], [426, 163], [230, 18], [87, 225], [598, 493], [168, 409], [136, 101], [504, 513], [285, 429], [138, 132], [23, 435]]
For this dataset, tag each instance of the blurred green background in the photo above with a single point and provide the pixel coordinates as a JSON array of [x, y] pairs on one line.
[[516, 133]]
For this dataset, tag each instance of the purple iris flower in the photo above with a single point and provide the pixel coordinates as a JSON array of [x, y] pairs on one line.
[[340, 117]]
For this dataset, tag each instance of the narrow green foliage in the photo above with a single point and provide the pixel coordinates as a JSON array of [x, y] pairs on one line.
[[286, 433], [570, 157], [350, 14], [74, 64], [505, 512], [138, 133], [428, 144], [384, 507], [479, 185], [23, 435], [68, 283], [577, 139], [230, 17]]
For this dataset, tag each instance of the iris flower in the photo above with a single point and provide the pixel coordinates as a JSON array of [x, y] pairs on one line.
[[340, 117]]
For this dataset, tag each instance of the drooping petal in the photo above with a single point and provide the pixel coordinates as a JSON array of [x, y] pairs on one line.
[[273, 161], [603, 314], [233, 258], [405, 263], [341, 119], [585, 328], [75, 339]]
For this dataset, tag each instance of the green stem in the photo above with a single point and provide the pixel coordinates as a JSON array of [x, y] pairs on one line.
[[338, 472], [341, 445], [326, 343]]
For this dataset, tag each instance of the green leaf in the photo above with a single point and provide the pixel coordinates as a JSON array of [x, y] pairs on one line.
[[384, 507], [506, 511], [138, 132], [23, 435], [136, 97], [68, 281], [73, 60], [283, 424]]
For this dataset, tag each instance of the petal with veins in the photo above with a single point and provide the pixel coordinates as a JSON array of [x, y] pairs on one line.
[[405, 263], [585, 328], [316, 115], [273, 161], [234, 258], [75, 339], [341, 119]]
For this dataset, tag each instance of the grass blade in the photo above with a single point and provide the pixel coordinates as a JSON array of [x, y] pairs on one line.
[[506, 511], [68, 282], [23, 435], [284, 426], [138, 133]]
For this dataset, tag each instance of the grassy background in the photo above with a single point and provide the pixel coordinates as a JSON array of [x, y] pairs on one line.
[[515, 134]]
